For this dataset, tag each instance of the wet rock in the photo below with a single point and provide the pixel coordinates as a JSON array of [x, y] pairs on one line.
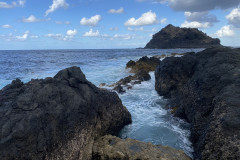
[[176, 37], [57, 118], [110, 147], [205, 89], [144, 63], [119, 89], [130, 63], [139, 77], [102, 84]]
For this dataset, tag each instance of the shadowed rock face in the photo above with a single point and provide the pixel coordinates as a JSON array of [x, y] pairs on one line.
[[205, 89], [111, 148], [57, 118], [176, 37]]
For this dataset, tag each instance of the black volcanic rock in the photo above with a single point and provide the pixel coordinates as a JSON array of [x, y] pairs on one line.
[[145, 63], [205, 90], [57, 118], [176, 37]]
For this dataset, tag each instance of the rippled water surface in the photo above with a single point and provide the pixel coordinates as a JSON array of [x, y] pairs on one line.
[[151, 121]]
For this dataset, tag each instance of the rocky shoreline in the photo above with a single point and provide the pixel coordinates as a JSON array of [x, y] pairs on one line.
[[57, 118], [204, 89], [65, 117]]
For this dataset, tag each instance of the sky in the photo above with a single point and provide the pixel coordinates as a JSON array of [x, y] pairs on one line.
[[108, 24]]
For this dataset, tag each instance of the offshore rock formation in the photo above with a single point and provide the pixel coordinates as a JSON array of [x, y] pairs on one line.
[[110, 148], [57, 118], [204, 88], [176, 37]]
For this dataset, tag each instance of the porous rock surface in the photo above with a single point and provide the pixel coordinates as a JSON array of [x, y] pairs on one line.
[[57, 118], [205, 90], [113, 148]]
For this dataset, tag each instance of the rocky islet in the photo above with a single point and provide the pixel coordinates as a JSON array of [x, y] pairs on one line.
[[176, 37]]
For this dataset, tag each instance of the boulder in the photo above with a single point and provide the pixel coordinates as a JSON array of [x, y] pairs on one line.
[[144, 63], [176, 37], [111, 147], [57, 118], [205, 90]]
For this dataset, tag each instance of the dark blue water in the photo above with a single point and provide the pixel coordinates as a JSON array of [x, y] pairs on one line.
[[151, 122]]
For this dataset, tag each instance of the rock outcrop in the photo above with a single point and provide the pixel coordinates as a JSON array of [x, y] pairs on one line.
[[204, 88], [140, 68], [176, 37], [110, 148], [144, 63], [57, 118]]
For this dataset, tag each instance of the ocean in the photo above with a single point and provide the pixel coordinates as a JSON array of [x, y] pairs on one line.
[[152, 122]]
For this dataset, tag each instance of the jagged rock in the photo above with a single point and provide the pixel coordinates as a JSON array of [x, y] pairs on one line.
[[139, 77], [176, 37], [205, 89], [119, 89], [173, 74], [57, 118], [144, 63], [110, 148]]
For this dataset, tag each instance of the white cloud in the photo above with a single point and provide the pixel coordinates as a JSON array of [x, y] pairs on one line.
[[24, 36], [116, 11], [63, 22], [199, 20], [114, 29], [234, 17], [135, 29], [34, 36], [19, 3], [163, 21], [72, 32], [123, 36], [68, 37], [55, 36], [56, 5], [31, 19], [200, 17], [196, 24], [225, 31], [148, 18], [91, 33], [6, 26], [93, 21]]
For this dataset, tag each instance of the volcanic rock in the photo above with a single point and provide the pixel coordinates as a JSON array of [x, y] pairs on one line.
[[176, 37], [57, 118], [205, 90], [144, 63]]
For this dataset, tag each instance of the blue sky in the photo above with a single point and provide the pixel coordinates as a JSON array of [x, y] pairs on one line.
[[96, 24]]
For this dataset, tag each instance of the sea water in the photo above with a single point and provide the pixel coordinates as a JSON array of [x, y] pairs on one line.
[[152, 122]]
